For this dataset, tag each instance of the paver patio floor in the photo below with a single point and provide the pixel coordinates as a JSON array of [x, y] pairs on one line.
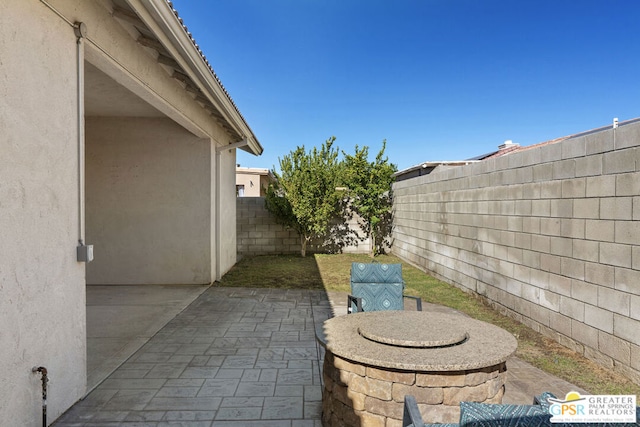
[[241, 357]]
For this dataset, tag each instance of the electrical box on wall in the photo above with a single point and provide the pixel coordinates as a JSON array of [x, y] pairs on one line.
[[85, 253]]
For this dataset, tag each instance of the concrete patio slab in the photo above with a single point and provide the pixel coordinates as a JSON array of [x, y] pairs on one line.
[[121, 319], [232, 357]]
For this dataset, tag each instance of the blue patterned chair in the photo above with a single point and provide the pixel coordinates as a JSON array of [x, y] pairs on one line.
[[376, 287], [474, 414]]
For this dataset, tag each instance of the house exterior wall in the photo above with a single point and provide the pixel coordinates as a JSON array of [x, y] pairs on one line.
[[42, 290], [227, 212], [550, 236], [42, 286], [148, 202]]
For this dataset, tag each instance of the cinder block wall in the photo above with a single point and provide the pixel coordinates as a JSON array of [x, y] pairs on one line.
[[258, 233], [550, 236]]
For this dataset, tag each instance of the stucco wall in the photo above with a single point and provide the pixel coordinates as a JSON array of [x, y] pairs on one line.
[[169, 232], [227, 211], [42, 293], [549, 235], [148, 202]]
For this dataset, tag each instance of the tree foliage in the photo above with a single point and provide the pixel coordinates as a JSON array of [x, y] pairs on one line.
[[370, 193], [304, 195]]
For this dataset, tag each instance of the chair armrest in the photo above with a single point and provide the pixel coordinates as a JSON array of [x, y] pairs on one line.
[[418, 301], [354, 300], [411, 416]]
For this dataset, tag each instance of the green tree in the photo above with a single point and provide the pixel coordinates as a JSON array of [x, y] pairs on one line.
[[370, 193], [305, 194]]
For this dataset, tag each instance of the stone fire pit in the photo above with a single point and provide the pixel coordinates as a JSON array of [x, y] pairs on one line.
[[374, 359]]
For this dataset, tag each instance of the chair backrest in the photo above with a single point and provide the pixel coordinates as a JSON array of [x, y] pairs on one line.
[[379, 285]]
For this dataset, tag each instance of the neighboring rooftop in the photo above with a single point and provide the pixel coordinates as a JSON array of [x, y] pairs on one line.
[[508, 147]]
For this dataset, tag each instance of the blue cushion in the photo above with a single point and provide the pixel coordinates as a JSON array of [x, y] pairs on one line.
[[474, 414], [376, 273], [380, 286]]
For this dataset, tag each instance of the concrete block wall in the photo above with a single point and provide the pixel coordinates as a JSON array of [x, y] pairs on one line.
[[549, 236], [258, 233]]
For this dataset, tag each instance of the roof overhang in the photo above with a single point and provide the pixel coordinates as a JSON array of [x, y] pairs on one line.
[[433, 164], [162, 30]]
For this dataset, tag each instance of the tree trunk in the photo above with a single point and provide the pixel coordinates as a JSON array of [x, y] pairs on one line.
[[372, 244], [303, 246]]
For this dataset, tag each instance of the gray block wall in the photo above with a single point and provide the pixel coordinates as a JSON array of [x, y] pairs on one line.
[[549, 236], [258, 233]]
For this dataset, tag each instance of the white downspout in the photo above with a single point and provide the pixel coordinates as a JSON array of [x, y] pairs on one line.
[[84, 252], [218, 213], [80, 30]]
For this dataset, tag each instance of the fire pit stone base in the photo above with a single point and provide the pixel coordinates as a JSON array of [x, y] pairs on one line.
[[360, 395]]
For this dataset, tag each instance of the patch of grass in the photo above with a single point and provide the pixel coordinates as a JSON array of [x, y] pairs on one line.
[[331, 273], [274, 271]]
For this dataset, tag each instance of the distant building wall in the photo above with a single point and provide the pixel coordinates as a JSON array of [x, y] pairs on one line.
[[252, 182], [550, 236], [259, 234]]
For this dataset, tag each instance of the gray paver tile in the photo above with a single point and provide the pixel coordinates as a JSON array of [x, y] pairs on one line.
[[184, 404], [268, 375], [219, 387], [184, 382], [241, 362], [241, 401], [193, 349], [153, 357], [271, 354], [215, 360], [313, 410], [129, 400], [109, 416], [133, 383], [251, 375], [289, 390], [305, 353], [162, 370], [145, 416], [306, 423], [97, 398], [282, 408], [271, 364], [312, 393], [199, 361], [255, 389], [239, 413], [184, 424], [261, 423], [190, 415], [199, 372], [230, 373], [130, 373], [178, 392], [295, 376]]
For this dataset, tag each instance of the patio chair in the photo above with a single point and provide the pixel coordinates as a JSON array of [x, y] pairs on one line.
[[376, 287], [473, 414]]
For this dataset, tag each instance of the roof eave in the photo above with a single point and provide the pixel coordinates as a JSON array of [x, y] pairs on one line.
[[192, 61]]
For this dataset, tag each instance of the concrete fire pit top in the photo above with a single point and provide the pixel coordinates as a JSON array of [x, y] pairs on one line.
[[417, 341]]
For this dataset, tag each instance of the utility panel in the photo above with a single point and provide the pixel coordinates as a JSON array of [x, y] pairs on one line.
[[85, 253]]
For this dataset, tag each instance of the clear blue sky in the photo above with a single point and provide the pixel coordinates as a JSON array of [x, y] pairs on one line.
[[438, 79]]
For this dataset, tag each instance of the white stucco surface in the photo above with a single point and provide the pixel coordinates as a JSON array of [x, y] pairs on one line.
[[227, 211], [42, 291], [147, 203], [151, 201]]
